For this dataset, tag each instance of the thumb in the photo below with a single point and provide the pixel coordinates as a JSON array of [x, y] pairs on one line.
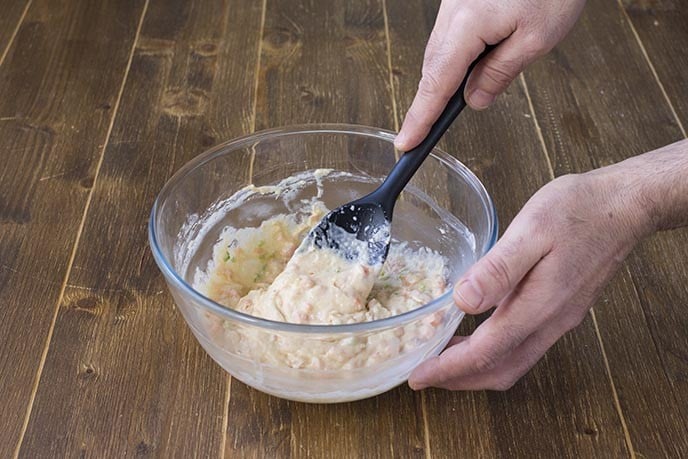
[[493, 74], [491, 279]]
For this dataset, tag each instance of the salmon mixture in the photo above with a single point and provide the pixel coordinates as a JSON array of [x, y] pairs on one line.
[[260, 272]]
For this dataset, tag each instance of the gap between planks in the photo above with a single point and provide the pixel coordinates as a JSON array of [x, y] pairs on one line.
[[255, 86], [426, 429], [388, 43], [14, 32], [657, 347], [72, 256], [652, 68], [550, 168], [617, 403], [252, 159], [615, 395], [395, 117]]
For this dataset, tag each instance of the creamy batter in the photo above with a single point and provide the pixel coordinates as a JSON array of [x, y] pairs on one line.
[[256, 271]]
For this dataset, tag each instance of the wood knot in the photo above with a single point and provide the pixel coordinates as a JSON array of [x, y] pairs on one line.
[[184, 102], [126, 305], [155, 47], [88, 371], [356, 38], [143, 448], [205, 49], [89, 304], [207, 140], [279, 39], [311, 97], [306, 94], [350, 41], [13, 213], [86, 183], [590, 431]]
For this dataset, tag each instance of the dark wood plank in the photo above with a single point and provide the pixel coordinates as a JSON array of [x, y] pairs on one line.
[[12, 11], [124, 376], [58, 84], [598, 103], [535, 418], [310, 52], [662, 27]]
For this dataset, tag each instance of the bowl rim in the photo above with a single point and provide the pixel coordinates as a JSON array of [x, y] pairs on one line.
[[172, 276]]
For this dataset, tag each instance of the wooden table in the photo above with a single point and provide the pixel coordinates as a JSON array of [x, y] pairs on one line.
[[101, 101]]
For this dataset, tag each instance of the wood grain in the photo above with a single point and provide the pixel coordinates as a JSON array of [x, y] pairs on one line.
[[49, 153], [599, 103], [12, 12], [662, 27], [324, 62], [573, 413], [124, 376]]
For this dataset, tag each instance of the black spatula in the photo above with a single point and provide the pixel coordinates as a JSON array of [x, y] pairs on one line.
[[369, 219]]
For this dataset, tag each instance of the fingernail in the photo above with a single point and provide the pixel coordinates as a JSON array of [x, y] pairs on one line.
[[422, 375], [400, 141], [417, 386], [418, 380], [480, 99], [466, 294]]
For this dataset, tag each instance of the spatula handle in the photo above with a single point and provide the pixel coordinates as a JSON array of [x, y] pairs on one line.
[[410, 161]]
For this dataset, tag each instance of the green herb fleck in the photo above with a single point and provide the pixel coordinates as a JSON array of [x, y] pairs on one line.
[[228, 257], [260, 274]]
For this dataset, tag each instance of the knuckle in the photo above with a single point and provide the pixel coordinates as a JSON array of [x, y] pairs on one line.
[[512, 247], [485, 361], [497, 271], [539, 216], [564, 192], [429, 86], [501, 72], [443, 369], [510, 337], [536, 43], [467, 14]]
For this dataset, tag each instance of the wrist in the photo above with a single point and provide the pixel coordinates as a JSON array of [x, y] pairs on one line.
[[652, 188], [663, 184], [627, 209]]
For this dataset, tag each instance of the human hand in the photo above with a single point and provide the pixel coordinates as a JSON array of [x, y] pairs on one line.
[[524, 29], [543, 274]]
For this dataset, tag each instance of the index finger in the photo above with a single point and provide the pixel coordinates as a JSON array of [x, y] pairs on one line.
[[443, 71], [519, 316]]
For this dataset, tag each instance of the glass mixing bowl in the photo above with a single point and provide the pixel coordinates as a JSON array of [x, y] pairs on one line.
[[444, 208]]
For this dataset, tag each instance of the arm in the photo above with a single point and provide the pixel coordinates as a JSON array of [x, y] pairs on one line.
[[552, 263]]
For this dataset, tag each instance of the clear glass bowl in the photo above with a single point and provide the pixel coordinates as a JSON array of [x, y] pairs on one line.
[[444, 208]]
